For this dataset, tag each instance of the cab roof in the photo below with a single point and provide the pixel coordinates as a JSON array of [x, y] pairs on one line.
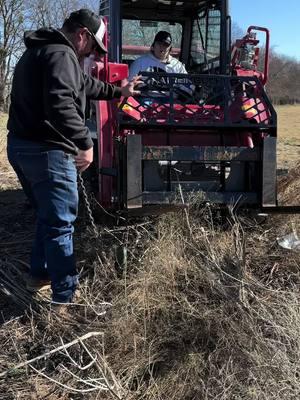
[[184, 7]]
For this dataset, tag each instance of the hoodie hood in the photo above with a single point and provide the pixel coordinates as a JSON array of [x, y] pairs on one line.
[[45, 36]]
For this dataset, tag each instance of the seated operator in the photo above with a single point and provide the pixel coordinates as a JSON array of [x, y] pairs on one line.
[[159, 58]]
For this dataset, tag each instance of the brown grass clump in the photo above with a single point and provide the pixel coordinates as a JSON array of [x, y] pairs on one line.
[[289, 186], [288, 194], [199, 324]]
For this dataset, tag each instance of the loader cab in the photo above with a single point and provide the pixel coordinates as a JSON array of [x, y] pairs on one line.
[[200, 31]]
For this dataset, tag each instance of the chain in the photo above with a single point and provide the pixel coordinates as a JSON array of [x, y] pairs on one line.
[[87, 205]]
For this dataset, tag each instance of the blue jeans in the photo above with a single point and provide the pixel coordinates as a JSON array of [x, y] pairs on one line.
[[49, 179]]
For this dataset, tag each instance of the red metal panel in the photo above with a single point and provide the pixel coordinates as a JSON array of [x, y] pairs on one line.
[[107, 125]]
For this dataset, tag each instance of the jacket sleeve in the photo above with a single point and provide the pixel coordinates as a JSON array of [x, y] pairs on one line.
[[182, 69], [179, 68], [98, 90], [62, 79]]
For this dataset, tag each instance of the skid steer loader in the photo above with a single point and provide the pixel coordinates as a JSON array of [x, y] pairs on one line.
[[211, 132]]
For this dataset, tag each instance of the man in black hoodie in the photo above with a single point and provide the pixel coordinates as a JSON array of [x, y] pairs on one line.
[[48, 140]]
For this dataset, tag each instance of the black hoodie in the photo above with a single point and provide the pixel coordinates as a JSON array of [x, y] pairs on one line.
[[49, 93]]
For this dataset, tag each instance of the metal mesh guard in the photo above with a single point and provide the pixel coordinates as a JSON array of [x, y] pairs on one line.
[[198, 100]]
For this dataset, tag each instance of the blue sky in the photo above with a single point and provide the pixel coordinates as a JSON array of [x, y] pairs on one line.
[[282, 18]]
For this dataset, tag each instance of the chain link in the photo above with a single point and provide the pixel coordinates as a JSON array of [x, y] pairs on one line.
[[88, 205]]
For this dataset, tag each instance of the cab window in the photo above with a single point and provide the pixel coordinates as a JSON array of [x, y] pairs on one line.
[[138, 35], [206, 41]]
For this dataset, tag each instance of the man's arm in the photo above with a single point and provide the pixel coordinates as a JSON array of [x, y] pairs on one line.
[[182, 69], [178, 67], [98, 90], [62, 78]]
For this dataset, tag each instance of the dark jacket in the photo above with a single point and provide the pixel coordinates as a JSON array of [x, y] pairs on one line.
[[49, 93]]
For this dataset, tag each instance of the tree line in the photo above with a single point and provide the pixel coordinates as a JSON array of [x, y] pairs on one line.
[[284, 79], [283, 86], [17, 16]]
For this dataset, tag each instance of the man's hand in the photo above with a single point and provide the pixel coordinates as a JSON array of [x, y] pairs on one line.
[[84, 159], [128, 90]]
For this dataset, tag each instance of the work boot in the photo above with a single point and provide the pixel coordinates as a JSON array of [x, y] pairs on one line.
[[35, 284]]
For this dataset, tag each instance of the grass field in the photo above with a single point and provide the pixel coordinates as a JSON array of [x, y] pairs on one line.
[[288, 135]]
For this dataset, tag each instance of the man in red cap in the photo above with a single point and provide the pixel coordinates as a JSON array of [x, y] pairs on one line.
[[48, 140]]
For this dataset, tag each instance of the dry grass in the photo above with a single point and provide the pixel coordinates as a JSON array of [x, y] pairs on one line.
[[288, 135], [202, 310]]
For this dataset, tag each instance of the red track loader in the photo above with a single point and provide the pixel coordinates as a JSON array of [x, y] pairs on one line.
[[211, 132]]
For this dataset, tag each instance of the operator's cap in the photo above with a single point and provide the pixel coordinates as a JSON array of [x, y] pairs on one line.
[[93, 22], [163, 37]]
